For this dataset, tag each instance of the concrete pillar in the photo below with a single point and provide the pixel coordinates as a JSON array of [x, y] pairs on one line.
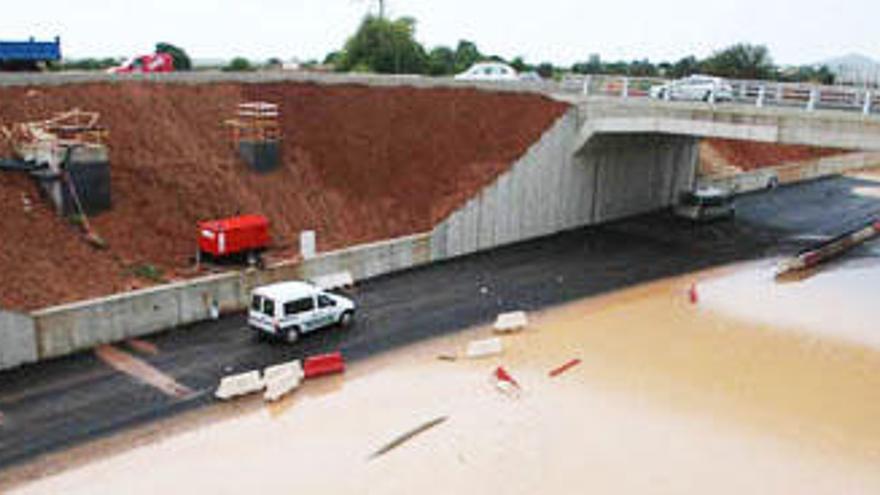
[[866, 108], [587, 80], [761, 95], [814, 97], [308, 244], [625, 92]]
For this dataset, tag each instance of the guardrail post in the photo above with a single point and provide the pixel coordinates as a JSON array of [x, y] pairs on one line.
[[761, 94], [866, 109], [586, 89], [814, 95], [625, 87]]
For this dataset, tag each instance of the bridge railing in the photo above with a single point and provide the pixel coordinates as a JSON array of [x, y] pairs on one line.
[[758, 93]]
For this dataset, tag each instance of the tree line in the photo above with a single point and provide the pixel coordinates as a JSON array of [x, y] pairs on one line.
[[387, 46]]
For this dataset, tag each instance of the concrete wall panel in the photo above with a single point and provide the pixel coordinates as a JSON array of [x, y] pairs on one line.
[[18, 343]]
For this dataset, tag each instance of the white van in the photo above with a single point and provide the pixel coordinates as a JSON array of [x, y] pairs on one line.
[[288, 309]]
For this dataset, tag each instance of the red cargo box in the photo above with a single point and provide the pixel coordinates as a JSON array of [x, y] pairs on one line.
[[234, 235]]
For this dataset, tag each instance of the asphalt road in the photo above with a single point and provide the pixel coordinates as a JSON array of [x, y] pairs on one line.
[[53, 405]]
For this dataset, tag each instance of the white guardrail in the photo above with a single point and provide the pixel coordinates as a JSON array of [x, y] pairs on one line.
[[757, 93]]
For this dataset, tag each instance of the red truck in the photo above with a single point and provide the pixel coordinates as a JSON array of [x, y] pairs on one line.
[[157, 62], [245, 235]]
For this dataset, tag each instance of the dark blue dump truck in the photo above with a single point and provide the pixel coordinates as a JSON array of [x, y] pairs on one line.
[[29, 55]]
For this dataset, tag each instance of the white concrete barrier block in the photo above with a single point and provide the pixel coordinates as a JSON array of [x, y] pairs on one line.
[[484, 348], [238, 385], [281, 383], [334, 280], [513, 321], [293, 367]]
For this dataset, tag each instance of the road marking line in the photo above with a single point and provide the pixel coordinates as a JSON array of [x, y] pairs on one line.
[[141, 371], [144, 347]]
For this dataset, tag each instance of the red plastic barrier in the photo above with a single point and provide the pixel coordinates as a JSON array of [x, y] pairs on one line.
[[324, 364]]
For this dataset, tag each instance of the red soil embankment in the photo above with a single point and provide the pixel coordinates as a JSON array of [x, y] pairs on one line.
[[744, 156], [359, 164]]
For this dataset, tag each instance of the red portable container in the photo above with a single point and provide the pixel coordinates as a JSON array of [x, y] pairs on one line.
[[234, 235]]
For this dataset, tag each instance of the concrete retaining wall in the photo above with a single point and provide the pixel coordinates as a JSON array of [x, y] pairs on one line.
[[551, 189], [17, 340], [66, 329], [793, 172]]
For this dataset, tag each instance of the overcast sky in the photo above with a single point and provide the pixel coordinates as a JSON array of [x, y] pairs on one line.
[[560, 31]]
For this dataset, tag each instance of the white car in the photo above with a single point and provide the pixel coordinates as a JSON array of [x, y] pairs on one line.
[[488, 71], [705, 204], [694, 88], [289, 309]]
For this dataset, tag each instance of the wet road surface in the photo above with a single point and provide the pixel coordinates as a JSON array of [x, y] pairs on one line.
[[62, 403]]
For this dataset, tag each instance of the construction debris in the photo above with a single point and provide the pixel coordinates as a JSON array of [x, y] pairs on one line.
[[257, 132], [511, 322], [565, 367], [238, 385], [825, 251], [484, 348], [397, 442]]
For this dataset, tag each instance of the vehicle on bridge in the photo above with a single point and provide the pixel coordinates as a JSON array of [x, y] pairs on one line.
[[488, 71], [29, 55], [705, 204], [141, 64], [288, 309], [694, 88]]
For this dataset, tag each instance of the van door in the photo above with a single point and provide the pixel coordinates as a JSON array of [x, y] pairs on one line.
[[300, 313], [328, 312]]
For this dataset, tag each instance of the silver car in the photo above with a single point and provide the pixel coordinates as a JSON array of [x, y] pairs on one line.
[[694, 88]]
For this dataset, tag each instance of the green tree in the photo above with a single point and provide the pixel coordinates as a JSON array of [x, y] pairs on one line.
[[239, 64], [684, 67], [741, 61], [520, 65], [545, 70], [441, 61], [466, 55], [384, 46], [181, 59]]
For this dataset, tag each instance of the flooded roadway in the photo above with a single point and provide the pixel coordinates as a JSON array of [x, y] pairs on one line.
[[761, 387]]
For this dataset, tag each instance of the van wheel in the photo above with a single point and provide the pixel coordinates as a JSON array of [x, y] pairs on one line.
[[346, 319], [292, 335]]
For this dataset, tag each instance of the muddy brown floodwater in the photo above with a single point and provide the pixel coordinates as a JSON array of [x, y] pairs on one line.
[[669, 397]]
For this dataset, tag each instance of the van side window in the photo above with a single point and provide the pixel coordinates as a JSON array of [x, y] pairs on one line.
[[299, 306], [257, 303], [325, 301], [269, 307]]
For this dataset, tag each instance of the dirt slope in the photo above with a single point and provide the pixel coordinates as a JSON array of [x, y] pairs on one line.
[[729, 155], [359, 164]]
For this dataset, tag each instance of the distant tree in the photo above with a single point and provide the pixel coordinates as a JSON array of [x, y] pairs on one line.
[[592, 66], [89, 64], [741, 61], [384, 46], [545, 70], [684, 67], [520, 65], [180, 57], [239, 64], [441, 61], [642, 68], [466, 55]]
